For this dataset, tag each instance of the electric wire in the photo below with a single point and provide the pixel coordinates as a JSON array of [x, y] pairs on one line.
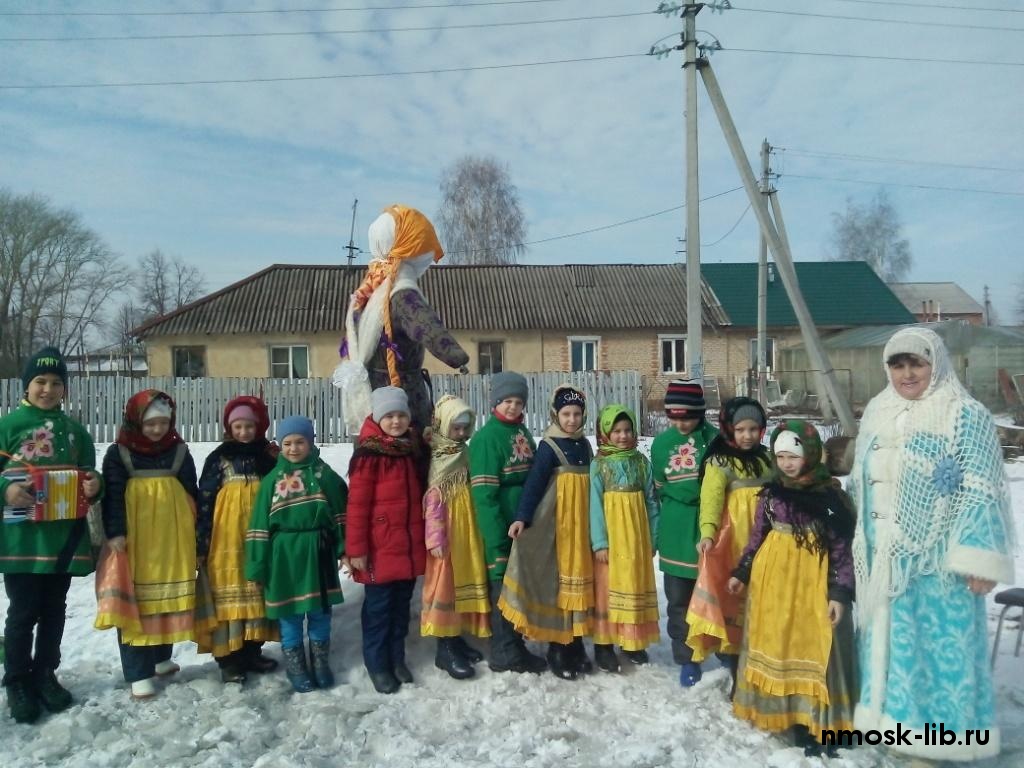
[[931, 5], [909, 22], [931, 187], [308, 78], [731, 229], [311, 33], [903, 161], [871, 57], [255, 12]]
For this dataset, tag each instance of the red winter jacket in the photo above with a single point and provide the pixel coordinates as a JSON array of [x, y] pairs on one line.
[[384, 520]]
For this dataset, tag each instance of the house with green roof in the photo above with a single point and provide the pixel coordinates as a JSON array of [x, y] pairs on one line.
[[840, 295]]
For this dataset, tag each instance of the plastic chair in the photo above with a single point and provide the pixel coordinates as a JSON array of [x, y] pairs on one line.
[[1009, 598]]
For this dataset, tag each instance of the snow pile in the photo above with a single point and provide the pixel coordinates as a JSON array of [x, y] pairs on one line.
[[641, 718]]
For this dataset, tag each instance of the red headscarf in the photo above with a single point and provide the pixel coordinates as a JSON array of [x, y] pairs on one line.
[[130, 435], [258, 407]]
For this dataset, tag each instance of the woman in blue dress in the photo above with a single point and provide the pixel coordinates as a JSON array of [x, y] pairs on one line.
[[934, 535]]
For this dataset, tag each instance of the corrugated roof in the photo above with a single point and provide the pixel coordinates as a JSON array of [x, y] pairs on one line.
[[574, 297], [958, 335], [945, 298], [838, 293]]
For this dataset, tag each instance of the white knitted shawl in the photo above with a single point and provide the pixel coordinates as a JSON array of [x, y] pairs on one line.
[[950, 510]]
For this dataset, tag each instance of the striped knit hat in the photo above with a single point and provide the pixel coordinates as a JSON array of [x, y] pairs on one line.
[[684, 399]]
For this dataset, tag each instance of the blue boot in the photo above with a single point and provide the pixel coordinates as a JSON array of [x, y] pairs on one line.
[[296, 670], [689, 674], [319, 655]]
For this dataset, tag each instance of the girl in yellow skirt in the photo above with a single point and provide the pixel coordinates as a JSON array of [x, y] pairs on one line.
[[796, 669], [149, 513], [227, 490], [548, 592], [455, 584], [623, 525], [734, 468]]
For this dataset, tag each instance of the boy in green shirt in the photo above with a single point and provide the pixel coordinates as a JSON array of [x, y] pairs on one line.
[[38, 559], [500, 456], [676, 456]]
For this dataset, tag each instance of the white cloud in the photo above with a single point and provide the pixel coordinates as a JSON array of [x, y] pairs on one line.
[[240, 176]]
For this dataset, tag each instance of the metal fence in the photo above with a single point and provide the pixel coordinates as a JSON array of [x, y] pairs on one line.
[[98, 402]]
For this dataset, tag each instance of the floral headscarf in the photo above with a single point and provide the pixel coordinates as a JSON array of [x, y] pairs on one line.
[[130, 434], [815, 474], [609, 415]]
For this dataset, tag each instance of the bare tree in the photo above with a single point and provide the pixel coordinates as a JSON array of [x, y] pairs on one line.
[[871, 233], [56, 276], [163, 284], [481, 220]]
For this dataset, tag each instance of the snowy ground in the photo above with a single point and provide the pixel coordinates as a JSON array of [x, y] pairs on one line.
[[639, 718]]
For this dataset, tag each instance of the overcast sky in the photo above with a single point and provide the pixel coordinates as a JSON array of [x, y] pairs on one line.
[[233, 177]]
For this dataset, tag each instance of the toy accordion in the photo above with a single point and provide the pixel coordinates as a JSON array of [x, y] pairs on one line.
[[59, 494]]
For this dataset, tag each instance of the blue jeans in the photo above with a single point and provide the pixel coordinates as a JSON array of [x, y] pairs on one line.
[[138, 662], [319, 628], [386, 623]]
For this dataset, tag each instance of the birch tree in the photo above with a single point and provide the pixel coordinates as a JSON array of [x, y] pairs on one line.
[[481, 220], [872, 232]]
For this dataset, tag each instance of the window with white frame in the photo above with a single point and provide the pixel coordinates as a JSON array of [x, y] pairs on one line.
[[583, 353], [673, 353], [491, 356], [769, 346], [289, 362]]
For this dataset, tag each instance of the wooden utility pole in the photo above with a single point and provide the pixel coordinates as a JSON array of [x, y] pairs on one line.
[[780, 251], [762, 288], [988, 308], [694, 347]]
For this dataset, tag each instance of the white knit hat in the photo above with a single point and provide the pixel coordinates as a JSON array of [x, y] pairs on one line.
[[789, 442], [158, 409]]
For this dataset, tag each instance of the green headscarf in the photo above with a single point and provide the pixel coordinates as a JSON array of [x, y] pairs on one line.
[[609, 415], [815, 475]]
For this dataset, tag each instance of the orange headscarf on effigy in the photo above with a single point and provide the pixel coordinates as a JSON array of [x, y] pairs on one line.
[[414, 236]]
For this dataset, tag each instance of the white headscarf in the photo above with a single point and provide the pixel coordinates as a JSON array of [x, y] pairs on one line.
[[950, 484]]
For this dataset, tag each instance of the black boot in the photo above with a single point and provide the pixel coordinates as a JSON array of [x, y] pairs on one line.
[[403, 674], [560, 661], [296, 670], [54, 696], [605, 657], [578, 657], [637, 657], [22, 701], [385, 682], [468, 652], [451, 660], [319, 655], [254, 660]]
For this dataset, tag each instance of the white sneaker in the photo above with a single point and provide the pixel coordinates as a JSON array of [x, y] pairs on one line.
[[144, 689], [165, 668]]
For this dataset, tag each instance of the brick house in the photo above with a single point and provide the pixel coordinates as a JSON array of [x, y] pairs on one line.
[[285, 321]]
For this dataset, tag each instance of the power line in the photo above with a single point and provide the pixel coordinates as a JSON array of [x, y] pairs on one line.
[[876, 19], [307, 33], [303, 78], [731, 229], [900, 184], [343, 9], [931, 5], [604, 227], [878, 58], [904, 161]]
